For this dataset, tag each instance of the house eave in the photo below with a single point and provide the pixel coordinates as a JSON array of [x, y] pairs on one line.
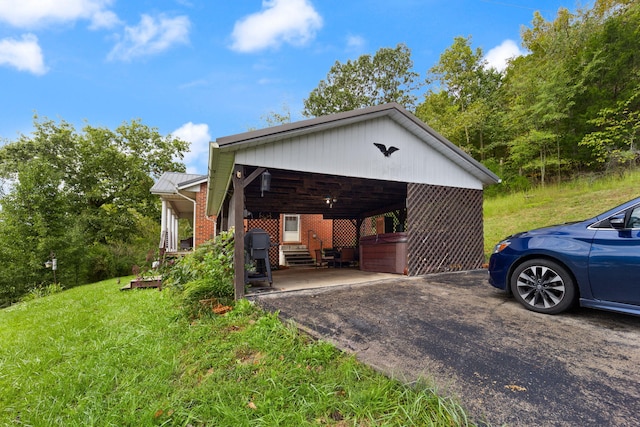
[[220, 169]]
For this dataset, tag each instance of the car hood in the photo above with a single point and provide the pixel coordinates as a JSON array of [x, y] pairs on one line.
[[558, 229]]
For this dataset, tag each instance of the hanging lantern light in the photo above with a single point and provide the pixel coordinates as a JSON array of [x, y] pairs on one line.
[[265, 184]]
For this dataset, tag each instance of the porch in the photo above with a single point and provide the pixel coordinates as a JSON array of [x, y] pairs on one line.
[[184, 224]]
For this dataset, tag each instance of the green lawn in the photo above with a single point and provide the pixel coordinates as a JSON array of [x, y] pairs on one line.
[[97, 356], [555, 204]]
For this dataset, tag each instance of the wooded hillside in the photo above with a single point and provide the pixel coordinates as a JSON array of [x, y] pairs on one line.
[[570, 106]]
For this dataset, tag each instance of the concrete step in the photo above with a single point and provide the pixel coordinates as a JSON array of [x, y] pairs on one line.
[[297, 256]]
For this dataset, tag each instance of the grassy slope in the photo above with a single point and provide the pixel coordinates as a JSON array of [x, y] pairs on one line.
[[581, 199], [85, 355], [94, 355]]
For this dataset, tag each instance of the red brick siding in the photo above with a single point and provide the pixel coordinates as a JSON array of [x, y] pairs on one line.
[[205, 226], [311, 224]]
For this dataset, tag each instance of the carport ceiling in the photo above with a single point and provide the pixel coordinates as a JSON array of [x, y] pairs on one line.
[[307, 193]]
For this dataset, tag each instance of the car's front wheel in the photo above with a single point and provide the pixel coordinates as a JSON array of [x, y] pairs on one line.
[[544, 286]]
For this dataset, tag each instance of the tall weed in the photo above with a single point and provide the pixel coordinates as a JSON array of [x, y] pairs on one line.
[[42, 291]]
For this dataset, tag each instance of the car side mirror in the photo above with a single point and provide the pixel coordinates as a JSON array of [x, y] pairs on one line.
[[617, 222]]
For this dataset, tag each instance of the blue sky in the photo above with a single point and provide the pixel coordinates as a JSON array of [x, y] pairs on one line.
[[205, 69]]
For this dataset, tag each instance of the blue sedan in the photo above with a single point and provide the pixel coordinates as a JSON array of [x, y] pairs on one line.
[[595, 263]]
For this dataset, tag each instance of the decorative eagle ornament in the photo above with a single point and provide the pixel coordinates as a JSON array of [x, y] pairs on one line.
[[384, 150]]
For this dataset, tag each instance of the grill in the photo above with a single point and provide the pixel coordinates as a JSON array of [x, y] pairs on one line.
[[257, 243]]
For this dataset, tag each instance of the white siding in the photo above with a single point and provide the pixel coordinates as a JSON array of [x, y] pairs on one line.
[[349, 151]]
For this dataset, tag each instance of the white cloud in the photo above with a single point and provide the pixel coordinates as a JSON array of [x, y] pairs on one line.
[[355, 43], [151, 36], [199, 137], [194, 83], [280, 21], [35, 13], [499, 56], [24, 54], [104, 19]]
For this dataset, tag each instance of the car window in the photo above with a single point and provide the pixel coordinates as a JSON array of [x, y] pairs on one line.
[[634, 218], [630, 217], [605, 223]]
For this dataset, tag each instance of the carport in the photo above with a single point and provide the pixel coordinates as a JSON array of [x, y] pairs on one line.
[[343, 166]]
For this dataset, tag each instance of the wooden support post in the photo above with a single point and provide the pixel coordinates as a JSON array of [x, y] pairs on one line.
[[238, 208]]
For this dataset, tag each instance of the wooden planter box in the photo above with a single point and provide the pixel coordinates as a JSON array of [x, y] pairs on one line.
[[384, 253], [146, 282]]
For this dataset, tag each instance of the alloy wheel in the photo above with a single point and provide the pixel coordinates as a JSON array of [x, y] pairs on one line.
[[540, 286]]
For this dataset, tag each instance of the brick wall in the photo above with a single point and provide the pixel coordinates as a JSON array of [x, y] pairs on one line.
[[205, 226], [315, 224]]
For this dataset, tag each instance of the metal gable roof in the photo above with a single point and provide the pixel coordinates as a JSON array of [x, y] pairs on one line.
[[169, 182], [178, 190], [393, 110], [222, 152], [192, 184], [289, 130]]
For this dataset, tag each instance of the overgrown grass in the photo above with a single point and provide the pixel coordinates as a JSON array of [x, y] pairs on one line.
[[555, 204], [97, 356]]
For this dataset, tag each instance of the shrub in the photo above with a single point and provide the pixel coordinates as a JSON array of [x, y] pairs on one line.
[[42, 291], [102, 262], [204, 275]]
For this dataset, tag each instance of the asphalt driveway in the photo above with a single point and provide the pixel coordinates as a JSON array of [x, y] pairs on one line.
[[506, 365]]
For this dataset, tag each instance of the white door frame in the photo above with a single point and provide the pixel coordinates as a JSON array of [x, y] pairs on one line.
[[291, 235]]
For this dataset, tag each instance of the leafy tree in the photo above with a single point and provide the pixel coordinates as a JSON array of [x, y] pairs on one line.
[[610, 78], [463, 98], [273, 118], [535, 116], [616, 140], [541, 90], [33, 224], [80, 196], [386, 77], [458, 72], [563, 108], [440, 111]]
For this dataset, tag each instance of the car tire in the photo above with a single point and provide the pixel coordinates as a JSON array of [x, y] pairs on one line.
[[543, 286]]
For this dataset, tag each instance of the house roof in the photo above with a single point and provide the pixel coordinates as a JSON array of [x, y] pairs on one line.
[[178, 190], [256, 148], [170, 182]]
